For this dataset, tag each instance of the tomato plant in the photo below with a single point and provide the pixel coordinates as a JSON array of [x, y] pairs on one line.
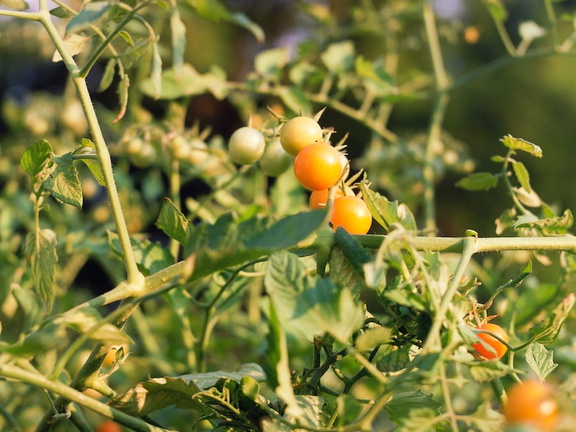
[[490, 347], [352, 214], [299, 132], [532, 403], [318, 166]]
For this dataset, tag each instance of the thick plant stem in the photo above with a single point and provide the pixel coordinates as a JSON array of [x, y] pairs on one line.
[[134, 277], [62, 389]]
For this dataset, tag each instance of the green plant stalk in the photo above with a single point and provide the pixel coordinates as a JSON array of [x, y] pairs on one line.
[[134, 277], [437, 119], [17, 373]]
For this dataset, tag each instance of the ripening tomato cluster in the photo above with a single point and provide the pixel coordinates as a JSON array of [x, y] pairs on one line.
[[318, 167]]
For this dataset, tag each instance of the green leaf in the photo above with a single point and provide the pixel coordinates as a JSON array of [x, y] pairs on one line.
[[88, 16], [339, 56], [179, 41], [487, 419], [158, 393], [310, 306], [156, 70], [37, 160], [172, 221], [387, 212], [540, 360], [88, 149], [150, 257], [288, 231], [556, 225], [372, 338], [488, 370], [478, 181], [547, 331], [403, 403], [532, 300], [521, 144], [419, 420], [41, 251], [108, 75], [43, 340], [74, 44], [64, 183], [187, 82], [31, 307], [213, 10], [270, 63], [522, 175], [15, 4], [89, 321], [122, 91], [295, 99], [227, 243], [59, 12]]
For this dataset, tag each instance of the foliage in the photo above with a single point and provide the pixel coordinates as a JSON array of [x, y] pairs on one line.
[[227, 303]]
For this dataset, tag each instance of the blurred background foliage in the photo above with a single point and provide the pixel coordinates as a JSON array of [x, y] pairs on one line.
[[532, 98]]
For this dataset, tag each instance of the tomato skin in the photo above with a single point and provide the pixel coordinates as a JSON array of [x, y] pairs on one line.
[[246, 145], [275, 160], [499, 349], [318, 166], [298, 133], [318, 199], [352, 214], [532, 403], [108, 426]]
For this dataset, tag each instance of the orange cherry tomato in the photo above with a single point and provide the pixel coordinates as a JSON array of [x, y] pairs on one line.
[[532, 403], [492, 348], [318, 166], [352, 214], [108, 426], [318, 199]]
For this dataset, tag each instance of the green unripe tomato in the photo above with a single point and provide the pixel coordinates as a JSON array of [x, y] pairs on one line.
[[246, 145], [298, 133], [275, 160]]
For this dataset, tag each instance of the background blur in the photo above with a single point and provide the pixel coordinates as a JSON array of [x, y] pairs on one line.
[[534, 99]]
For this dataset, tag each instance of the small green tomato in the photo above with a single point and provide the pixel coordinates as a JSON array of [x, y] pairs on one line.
[[275, 160], [246, 145]]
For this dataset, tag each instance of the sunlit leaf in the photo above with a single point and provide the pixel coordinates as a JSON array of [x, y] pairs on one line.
[[172, 221], [547, 331], [478, 181], [74, 44], [64, 183], [41, 251], [14, 4], [522, 175], [88, 148], [521, 144], [88, 16], [540, 360], [37, 160], [89, 321]]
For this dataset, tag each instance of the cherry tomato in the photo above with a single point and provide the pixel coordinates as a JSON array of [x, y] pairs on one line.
[[532, 403], [298, 133], [318, 166], [352, 214], [108, 426], [275, 160], [492, 348], [246, 145], [319, 198]]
